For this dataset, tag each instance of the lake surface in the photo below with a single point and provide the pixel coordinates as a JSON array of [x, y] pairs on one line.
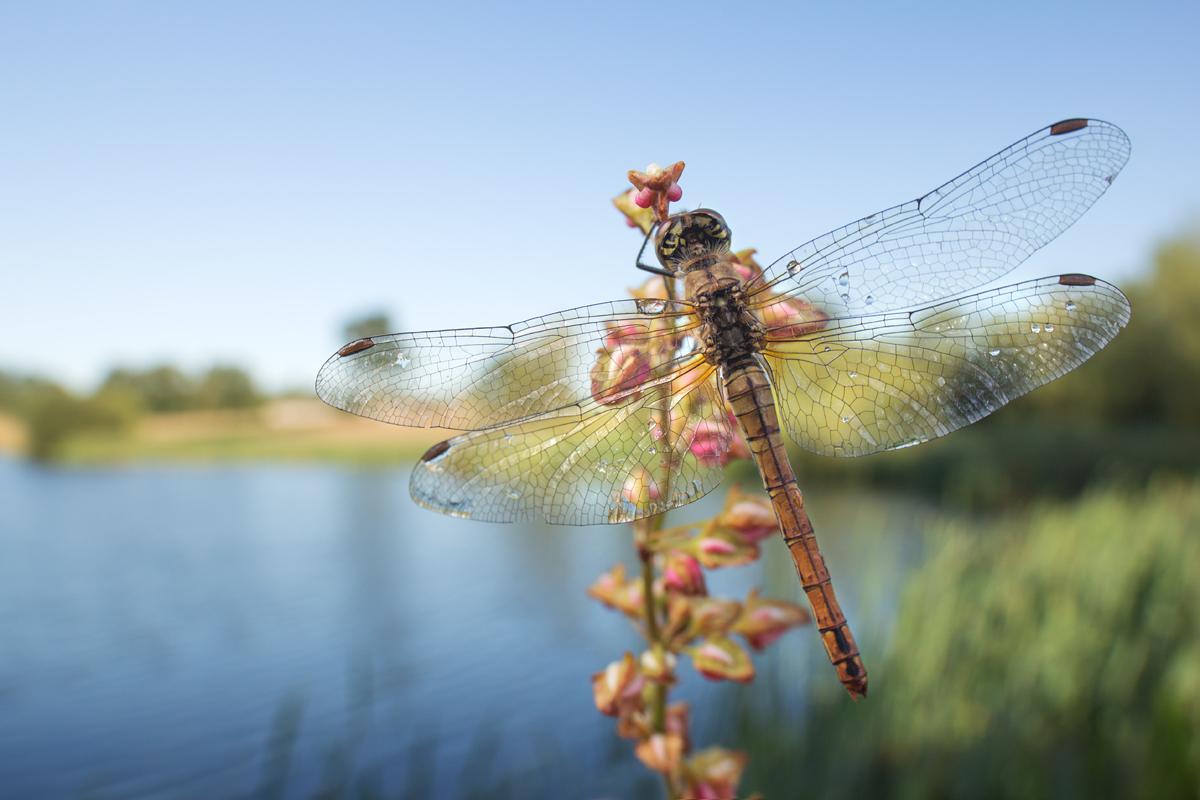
[[306, 631]]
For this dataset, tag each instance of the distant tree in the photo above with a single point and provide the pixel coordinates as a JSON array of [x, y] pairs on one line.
[[166, 389], [163, 388], [227, 387], [53, 414], [372, 325]]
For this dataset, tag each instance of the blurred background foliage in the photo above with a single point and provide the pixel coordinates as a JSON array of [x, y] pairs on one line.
[[1054, 653], [52, 414]]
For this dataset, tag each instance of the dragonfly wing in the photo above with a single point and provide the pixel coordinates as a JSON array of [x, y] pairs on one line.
[[483, 377], [587, 465], [960, 236], [860, 385]]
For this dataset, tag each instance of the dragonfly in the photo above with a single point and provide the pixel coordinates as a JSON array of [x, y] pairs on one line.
[[863, 340]]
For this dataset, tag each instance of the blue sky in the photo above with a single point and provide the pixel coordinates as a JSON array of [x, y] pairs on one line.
[[230, 182]]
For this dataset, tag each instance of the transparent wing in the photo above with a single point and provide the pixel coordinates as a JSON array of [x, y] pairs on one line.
[[859, 385], [483, 377], [959, 237], [592, 464]]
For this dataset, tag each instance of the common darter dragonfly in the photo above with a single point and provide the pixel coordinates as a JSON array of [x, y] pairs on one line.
[[857, 342]]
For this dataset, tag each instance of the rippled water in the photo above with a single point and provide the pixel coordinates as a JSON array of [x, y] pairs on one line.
[[279, 631]]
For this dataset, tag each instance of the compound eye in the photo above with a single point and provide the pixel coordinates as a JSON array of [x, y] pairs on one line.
[[668, 244], [714, 225]]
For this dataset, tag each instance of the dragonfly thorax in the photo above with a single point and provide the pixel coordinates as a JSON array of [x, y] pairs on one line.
[[729, 333], [690, 240]]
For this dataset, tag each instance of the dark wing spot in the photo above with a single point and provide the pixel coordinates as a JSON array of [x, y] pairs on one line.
[[356, 347], [1075, 279], [434, 452], [1066, 126]]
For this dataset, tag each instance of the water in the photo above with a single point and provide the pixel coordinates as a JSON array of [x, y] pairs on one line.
[[279, 631]]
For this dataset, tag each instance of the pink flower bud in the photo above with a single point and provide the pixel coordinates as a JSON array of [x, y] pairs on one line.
[[723, 547], [608, 586], [661, 752], [640, 488], [752, 517], [644, 198], [624, 333], [714, 546], [720, 658], [635, 725], [715, 773], [710, 443], [658, 665], [614, 591], [678, 718], [618, 373], [712, 616], [763, 620], [674, 192], [618, 687], [682, 573]]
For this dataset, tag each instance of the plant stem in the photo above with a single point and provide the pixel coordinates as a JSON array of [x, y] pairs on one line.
[[658, 708]]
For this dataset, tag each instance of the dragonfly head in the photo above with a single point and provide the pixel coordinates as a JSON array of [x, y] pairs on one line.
[[684, 237]]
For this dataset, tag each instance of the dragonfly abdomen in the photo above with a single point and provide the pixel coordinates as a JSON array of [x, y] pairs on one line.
[[750, 397]]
